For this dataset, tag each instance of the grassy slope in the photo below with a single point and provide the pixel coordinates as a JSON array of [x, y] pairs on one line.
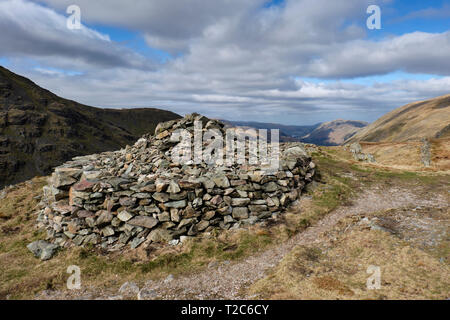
[[423, 119], [335, 267], [339, 271]]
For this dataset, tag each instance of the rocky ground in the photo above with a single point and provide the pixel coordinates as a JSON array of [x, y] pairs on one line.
[[406, 213], [226, 280], [355, 215], [141, 195]]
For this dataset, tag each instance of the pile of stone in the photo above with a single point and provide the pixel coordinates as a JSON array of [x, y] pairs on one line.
[[138, 194], [356, 150]]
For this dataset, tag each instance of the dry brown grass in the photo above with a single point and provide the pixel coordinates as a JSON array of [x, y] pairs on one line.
[[440, 151], [336, 269], [23, 276], [406, 155], [399, 155], [422, 119]]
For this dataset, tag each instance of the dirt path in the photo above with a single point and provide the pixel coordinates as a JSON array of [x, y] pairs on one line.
[[227, 279]]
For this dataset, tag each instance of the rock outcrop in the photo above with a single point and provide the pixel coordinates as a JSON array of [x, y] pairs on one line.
[[42, 249], [425, 152], [356, 150], [139, 194]]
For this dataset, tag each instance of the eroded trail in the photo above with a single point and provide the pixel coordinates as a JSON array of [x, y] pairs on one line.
[[228, 280]]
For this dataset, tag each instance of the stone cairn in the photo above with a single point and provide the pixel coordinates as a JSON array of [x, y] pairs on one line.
[[138, 194]]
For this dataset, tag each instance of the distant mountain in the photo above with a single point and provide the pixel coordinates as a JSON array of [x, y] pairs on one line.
[[334, 133], [287, 132], [324, 134], [423, 119], [39, 130]]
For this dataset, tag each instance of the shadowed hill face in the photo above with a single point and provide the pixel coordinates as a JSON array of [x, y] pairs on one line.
[[334, 133], [414, 121], [39, 130]]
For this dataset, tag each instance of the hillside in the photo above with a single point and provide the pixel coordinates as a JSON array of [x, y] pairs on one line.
[[39, 130], [334, 133], [414, 121]]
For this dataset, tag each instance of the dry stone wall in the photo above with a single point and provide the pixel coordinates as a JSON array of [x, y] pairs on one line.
[[138, 194]]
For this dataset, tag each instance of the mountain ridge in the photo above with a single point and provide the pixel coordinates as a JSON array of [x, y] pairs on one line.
[[40, 130], [334, 133], [414, 121]]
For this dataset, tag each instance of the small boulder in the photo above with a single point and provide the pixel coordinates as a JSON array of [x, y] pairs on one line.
[[129, 289], [42, 249], [142, 221], [147, 294]]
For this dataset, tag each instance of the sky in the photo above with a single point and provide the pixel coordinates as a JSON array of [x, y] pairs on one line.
[[294, 62]]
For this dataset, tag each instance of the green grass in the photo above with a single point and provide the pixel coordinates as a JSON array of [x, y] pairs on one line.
[[203, 251], [333, 197], [406, 176]]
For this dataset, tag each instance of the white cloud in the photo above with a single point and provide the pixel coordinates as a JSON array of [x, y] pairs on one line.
[[167, 24], [32, 31], [239, 59], [416, 52]]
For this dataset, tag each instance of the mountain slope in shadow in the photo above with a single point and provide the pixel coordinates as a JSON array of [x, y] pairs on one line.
[[39, 130]]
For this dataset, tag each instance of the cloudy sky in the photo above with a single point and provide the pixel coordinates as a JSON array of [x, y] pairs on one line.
[[287, 61]]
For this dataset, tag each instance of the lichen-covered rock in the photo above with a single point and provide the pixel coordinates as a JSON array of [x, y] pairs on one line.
[[143, 221], [129, 289], [356, 150], [42, 249]]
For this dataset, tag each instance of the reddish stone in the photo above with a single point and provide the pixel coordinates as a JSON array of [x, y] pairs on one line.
[[189, 184], [83, 186], [216, 200], [62, 207], [85, 214], [71, 197]]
